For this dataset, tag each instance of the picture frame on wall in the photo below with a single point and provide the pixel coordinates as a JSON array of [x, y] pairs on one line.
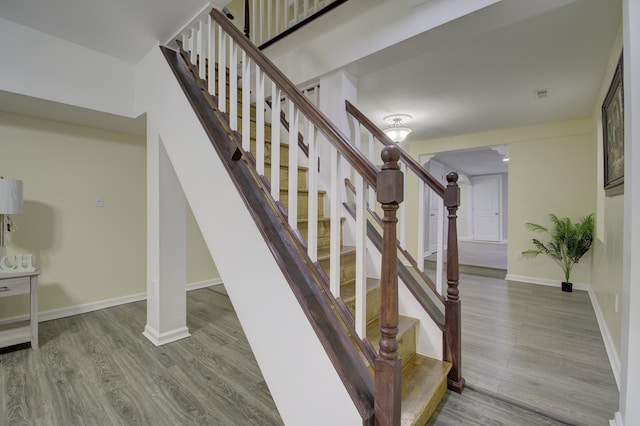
[[613, 134]]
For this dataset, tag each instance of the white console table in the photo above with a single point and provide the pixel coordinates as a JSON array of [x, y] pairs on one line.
[[12, 284]]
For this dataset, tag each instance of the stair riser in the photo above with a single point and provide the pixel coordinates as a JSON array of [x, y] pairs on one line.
[[284, 152], [373, 304], [347, 266], [284, 177], [303, 203], [324, 233]]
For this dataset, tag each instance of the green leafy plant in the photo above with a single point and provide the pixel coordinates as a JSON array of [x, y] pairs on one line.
[[569, 241]]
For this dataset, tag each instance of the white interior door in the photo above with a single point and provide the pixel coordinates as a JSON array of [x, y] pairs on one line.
[[487, 217], [437, 171]]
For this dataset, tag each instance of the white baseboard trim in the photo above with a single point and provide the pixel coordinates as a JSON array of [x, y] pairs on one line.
[[160, 339], [203, 284], [614, 359], [102, 304], [543, 281], [617, 420]]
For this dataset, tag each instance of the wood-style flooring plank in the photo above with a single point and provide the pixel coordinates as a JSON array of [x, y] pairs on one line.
[[98, 369], [537, 346]]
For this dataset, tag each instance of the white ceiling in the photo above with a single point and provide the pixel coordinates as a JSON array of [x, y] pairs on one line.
[[474, 74], [460, 78], [124, 29]]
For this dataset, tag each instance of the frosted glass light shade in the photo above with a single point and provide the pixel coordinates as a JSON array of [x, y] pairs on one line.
[[10, 196], [397, 134]]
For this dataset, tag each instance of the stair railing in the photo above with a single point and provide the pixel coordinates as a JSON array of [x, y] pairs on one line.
[[450, 199], [267, 21], [224, 56]]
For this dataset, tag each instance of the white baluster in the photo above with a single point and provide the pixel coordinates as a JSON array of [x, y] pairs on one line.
[[211, 44], [440, 254], [262, 26], [275, 141], [233, 86], [295, 13], [202, 65], [336, 221], [260, 143], [312, 190], [246, 102], [185, 42], [254, 22], [305, 9], [294, 118], [371, 154], [402, 211], [278, 30], [222, 70], [285, 4], [193, 46], [421, 225], [361, 253], [269, 18]]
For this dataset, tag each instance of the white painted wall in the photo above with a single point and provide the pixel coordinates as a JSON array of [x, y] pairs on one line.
[[285, 345], [39, 65], [630, 389]]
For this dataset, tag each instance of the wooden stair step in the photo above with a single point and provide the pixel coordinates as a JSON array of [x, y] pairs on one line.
[[284, 175], [303, 202], [424, 384], [347, 262], [407, 335], [348, 295], [324, 231], [284, 150]]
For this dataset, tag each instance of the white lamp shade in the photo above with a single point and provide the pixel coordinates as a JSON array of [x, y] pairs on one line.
[[10, 196]]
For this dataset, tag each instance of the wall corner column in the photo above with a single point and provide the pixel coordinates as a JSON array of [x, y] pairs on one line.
[[166, 247]]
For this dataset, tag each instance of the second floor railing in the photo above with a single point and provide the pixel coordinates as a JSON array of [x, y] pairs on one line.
[[267, 21]]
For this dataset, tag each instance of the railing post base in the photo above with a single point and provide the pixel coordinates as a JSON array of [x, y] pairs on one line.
[[387, 397]]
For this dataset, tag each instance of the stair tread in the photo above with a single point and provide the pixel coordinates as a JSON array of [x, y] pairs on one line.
[[323, 254], [348, 288], [424, 384]]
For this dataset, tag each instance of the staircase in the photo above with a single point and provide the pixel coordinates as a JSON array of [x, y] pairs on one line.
[[424, 379]]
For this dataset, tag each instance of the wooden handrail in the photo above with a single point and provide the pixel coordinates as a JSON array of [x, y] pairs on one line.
[[357, 160], [411, 163]]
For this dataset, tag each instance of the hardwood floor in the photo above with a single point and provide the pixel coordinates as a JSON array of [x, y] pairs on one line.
[[536, 346], [531, 345], [98, 369]]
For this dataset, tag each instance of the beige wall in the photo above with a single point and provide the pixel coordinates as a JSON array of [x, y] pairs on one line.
[[87, 254], [552, 170], [608, 248]]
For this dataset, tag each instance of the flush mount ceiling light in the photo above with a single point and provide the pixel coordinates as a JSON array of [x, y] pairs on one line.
[[397, 131]]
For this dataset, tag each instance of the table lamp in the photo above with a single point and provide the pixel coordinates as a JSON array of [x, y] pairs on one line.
[[10, 203]]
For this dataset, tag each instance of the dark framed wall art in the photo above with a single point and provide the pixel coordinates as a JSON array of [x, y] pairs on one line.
[[613, 134]]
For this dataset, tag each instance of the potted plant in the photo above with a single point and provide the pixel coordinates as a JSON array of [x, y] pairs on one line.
[[569, 242]]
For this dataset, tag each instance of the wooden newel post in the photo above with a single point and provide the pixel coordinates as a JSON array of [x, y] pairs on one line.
[[452, 345], [388, 367]]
